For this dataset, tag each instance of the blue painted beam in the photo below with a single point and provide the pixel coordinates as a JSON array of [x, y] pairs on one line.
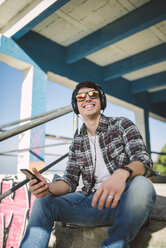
[[149, 82], [54, 7], [29, 48], [149, 57], [159, 96], [143, 17], [52, 59], [9, 47], [119, 88], [159, 109]]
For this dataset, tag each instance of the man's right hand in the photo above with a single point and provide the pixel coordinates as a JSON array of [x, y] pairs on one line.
[[40, 189]]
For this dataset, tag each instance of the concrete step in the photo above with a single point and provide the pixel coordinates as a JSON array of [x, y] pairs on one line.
[[152, 235]]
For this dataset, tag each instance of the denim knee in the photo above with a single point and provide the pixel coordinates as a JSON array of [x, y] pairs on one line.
[[143, 191], [41, 207]]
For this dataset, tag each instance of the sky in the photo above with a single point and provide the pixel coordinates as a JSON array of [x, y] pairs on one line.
[[57, 96]]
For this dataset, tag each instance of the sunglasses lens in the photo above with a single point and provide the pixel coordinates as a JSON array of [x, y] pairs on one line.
[[93, 94], [80, 97]]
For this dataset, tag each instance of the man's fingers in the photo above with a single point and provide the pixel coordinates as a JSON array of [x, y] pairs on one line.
[[115, 201], [40, 190], [102, 200], [34, 186], [109, 200], [36, 172], [41, 194], [96, 197]]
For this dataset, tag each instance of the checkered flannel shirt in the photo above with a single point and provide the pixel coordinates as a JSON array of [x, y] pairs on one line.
[[120, 142]]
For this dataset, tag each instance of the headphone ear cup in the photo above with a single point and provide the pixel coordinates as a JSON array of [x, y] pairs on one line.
[[74, 103], [74, 106], [76, 109], [103, 100]]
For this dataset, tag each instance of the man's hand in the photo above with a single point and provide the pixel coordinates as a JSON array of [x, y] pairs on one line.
[[40, 189], [110, 190]]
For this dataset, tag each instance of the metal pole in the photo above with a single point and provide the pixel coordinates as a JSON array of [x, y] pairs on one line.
[[75, 117], [160, 153], [33, 148], [50, 136], [19, 185], [57, 113], [26, 119]]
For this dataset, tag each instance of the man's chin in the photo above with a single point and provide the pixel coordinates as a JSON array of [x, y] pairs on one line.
[[92, 114]]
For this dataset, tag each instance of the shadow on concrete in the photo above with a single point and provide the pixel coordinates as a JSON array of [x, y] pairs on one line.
[[153, 234]]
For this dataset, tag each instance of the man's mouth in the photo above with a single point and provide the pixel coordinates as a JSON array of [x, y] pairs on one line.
[[89, 106]]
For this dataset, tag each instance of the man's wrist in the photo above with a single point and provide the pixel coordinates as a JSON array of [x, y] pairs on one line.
[[129, 170], [50, 193], [50, 190], [126, 172]]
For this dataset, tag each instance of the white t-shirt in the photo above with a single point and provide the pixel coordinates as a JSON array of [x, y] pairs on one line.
[[101, 171]]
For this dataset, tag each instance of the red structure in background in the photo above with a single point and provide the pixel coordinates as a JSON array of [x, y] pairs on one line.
[[14, 214]]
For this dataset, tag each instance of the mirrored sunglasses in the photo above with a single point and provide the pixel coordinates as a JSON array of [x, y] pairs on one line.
[[93, 94]]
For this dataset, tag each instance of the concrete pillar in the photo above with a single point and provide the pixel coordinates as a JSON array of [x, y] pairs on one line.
[[142, 122], [33, 101], [25, 111], [139, 121], [38, 106]]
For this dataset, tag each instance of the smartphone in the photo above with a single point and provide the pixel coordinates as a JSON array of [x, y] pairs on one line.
[[30, 175]]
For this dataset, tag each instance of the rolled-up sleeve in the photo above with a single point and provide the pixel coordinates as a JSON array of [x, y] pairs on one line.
[[134, 145]]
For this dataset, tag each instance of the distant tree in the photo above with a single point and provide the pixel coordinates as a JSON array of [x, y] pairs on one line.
[[161, 162]]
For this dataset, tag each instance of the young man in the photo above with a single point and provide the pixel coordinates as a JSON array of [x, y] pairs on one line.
[[111, 156]]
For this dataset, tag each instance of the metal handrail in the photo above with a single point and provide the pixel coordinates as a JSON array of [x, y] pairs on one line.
[[160, 153], [25, 119], [19, 185], [57, 137], [57, 113], [41, 120], [33, 148]]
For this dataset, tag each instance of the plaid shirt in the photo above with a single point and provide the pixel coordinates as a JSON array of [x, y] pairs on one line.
[[120, 142]]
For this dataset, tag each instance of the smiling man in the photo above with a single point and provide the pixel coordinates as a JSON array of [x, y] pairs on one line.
[[111, 156]]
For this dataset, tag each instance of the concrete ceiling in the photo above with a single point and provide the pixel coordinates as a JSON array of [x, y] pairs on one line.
[[121, 44]]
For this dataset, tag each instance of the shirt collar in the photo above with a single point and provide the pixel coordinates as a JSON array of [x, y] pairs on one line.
[[102, 127]]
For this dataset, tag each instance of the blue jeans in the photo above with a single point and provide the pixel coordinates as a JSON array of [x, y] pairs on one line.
[[125, 220]]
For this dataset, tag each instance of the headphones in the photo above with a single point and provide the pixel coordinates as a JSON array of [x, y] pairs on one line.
[[88, 84]]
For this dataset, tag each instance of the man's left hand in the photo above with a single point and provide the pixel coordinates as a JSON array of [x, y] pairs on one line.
[[110, 190]]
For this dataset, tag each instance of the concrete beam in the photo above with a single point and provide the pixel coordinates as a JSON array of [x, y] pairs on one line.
[[149, 57], [143, 17], [31, 16]]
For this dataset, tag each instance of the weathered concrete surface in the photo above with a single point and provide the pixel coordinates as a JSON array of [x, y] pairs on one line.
[[152, 235]]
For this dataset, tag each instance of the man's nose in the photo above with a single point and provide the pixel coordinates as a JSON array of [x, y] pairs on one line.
[[87, 98]]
